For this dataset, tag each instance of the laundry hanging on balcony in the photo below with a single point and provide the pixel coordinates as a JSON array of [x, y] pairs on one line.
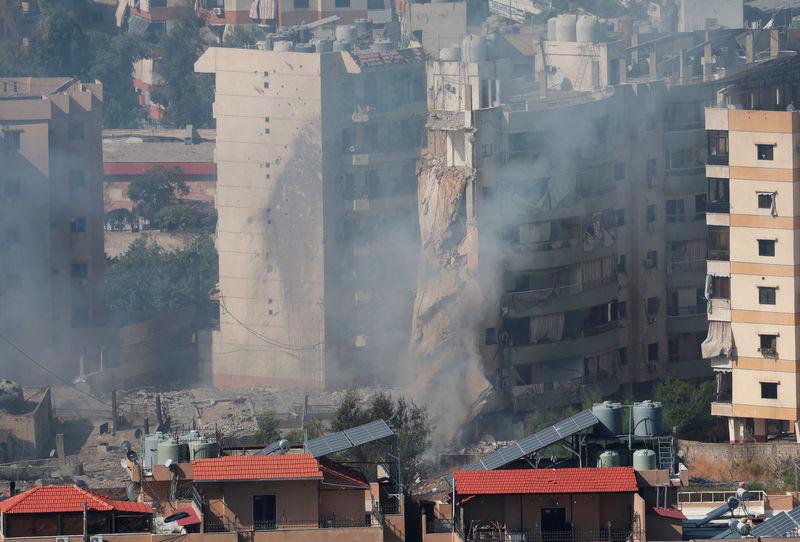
[[262, 10], [719, 341]]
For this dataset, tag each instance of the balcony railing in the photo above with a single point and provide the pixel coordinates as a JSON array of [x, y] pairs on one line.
[[718, 206], [688, 310], [719, 254], [596, 329], [686, 171], [502, 535], [289, 525], [548, 245], [685, 265], [717, 160]]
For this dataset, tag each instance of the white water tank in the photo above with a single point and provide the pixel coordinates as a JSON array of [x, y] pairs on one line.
[[565, 27], [551, 29], [587, 29], [473, 48], [283, 46], [450, 54]]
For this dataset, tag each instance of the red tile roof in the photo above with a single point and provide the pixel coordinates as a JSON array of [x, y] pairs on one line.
[[54, 499], [668, 513], [257, 467], [544, 481]]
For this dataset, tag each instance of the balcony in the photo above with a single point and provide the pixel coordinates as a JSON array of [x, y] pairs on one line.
[[688, 310], [718, 207], [720, 408], [720, 310], [717, 160], [503, 535], [685, 265], [364, 522], [690, 171], [719, 254], [566, 298], [593, 339]]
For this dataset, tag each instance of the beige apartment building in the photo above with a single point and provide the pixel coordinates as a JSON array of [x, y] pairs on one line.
[[51, 223], [753, 244], [316, 196]]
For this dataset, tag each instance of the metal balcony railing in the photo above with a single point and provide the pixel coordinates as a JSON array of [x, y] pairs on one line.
[[548, 245], [719, 254], [688, 310], [685, 265], [718, 206], [503, 535], [288, 525], [717, 160]]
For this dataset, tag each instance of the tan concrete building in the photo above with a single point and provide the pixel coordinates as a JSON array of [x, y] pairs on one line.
[[51, 223], [316, 236], [753, 240]]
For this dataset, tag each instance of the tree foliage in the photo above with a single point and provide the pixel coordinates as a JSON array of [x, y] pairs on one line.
[[410, 422], [146, 277], [268, 430], [186, 96], [687, 406], [158, 188]]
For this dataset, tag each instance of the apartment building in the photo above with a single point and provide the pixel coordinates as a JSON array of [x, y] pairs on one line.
[[752, 234], [316, 197], [51, 224]]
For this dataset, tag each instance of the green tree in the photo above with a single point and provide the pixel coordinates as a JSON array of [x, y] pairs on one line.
[[687, 406], [61, 42], [146, 277], [185, 95], [159, 188], [410, 422], [268, 430], [313, 429], [112, 64]]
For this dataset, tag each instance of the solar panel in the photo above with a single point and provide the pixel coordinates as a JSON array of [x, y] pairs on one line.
[[336, 442], [272, 448], [370, 432], [537, 441], [777, 526], [795, 515]]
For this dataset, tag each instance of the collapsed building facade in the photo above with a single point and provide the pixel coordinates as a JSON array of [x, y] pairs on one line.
[[316, 159], [579, 198]]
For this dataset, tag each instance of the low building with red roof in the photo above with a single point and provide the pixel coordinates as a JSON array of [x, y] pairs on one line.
[[58, 511], [598, 502]]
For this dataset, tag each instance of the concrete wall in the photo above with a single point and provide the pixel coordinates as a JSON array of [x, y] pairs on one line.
[[441, 24], [694, 15]]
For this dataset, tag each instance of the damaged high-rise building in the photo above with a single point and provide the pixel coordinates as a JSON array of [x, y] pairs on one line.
[[577, 199], [317, 236]]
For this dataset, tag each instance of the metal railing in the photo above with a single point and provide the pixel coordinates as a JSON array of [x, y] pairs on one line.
[[685, 497], [689, 310], [602, 535], [548, 245], [719, 254], [686, 171], [718, 206], [685, 265], [366, 521], [717, 160]]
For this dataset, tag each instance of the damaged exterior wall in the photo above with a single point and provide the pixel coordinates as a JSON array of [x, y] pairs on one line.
[[316, 194]]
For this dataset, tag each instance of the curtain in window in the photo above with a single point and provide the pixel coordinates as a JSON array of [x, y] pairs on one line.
[[534, 233], [548, 327]]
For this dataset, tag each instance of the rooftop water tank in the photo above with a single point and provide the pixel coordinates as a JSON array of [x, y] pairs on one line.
[[587, 29], [345, 32], [150, 449], [322, 45], [551, 29], [283, 46], [565, 27], [305, 48], [204, 448], [381, 45], [168, 450], [609, 458], [644, 460], [473, 48], [342, 45], [362, 27], [610, 416], [647, 419], [450, 54]]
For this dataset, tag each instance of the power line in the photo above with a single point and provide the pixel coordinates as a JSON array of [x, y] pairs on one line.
[[27, 356]]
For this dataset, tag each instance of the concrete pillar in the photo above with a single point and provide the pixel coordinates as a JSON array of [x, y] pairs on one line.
[[623, 71], [749, 48], [62, 456], [732, 430], [760, 430], [708, 59], [653, 65], [102, 358], [682, 65], [736, 427], [82, 364]]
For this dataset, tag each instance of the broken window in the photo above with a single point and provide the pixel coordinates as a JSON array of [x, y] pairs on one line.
[[765, 200], [768, 344], [653, 304], [766, 247], [769, 390], [765, 152], [652, 352], [717, 147]]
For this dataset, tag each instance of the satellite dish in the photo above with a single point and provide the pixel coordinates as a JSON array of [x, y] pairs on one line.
[[125, 446], [168, 463], [123, 463], [131, 455], [53, 452], [137, 434], [176, 516]]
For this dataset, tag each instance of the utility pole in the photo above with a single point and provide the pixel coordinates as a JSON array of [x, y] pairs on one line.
[[114, 412]]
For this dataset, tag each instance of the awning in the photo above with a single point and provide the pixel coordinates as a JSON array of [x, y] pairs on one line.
[[138, 25], [191, 519], [719, 341]]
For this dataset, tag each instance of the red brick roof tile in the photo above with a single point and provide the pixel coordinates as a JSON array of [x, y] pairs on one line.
[[545, 481], [671, 513], [54, 499], [257, 467]]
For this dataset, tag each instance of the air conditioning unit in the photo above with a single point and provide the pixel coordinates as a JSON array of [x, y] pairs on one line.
[[651, 226], [219, 12]]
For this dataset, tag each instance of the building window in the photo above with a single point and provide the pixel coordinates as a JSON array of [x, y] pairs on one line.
[[766, 295], [77, 224], [719, 238], [342, 3], [75, 130], [719, 200], [622, 263], [765, 200], [264, 512], [79, 271], [620, 217], [769, 390], [653, 304], [490, 336], [768, 344], [375, 4], [765, 152], [12, 188], [651, 214], [652, 352], [77, 179], [623, 356], [676, 211], [12, 141], [700, 206], [650, 172], [720, 287], [651, 260], [766, 247], [717, 147], [80, 316]]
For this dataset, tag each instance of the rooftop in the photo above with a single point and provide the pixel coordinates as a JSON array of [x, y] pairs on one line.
[[257, 467], [22, 87], [156, 146], [372, 59], [546, 481], [63, 499]]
